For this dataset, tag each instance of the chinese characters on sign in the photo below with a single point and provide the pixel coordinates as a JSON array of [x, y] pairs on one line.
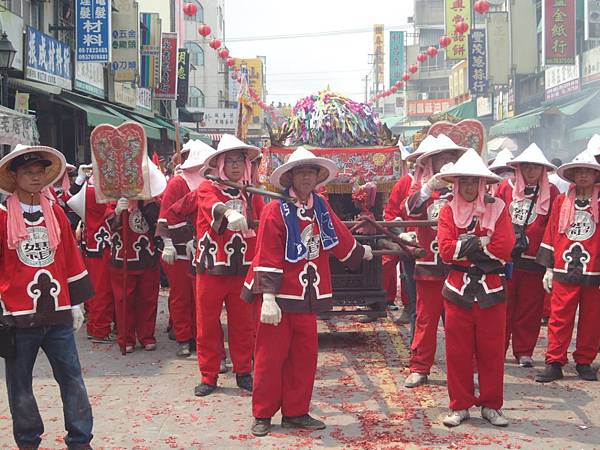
[[167, 87], [219, 118], [425, 108], [89, 78], [396, 56], [457, 11], [559, 32], [125, 46], [378, 52], [478, 83], [183, 70], [48, 60], [562, 80], [150, 50], [93, 30]]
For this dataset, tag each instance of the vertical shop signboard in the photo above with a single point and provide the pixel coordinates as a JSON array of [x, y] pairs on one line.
[[92, 18], [456, 11], [559, 32], [167, 86], [478, 82]]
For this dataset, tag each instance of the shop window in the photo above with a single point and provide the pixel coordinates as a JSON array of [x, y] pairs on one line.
[[196, 54], [196, 98]]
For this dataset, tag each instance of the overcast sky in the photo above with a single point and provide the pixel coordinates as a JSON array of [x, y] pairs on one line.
[[302, 66]]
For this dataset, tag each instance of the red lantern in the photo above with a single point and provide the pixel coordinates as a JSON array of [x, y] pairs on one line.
[[394, 89], [238, 79], [204, 30], [224, 53], [230, 62], [461, 27], [432, 51], [481, 6], [190, 9], [413, 68], [406, 76], [445, 41], [399, 84], [215, 43], [422, 57]]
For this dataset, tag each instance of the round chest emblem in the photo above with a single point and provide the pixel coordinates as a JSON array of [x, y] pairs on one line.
[[518, 212], [137, 222], [312, 242], [583, 226], [433, 212], [35, 251]]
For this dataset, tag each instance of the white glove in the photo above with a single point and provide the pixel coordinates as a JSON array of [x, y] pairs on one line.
[[169, 253], [190, 249], [436, 183], [547, 280], [270, 313], [122, 205], [484, 241], [409, 236], [237, 221], [82, 173], [78, 318], [368, 256]]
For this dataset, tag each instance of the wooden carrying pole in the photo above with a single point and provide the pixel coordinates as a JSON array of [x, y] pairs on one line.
[[250, 189]]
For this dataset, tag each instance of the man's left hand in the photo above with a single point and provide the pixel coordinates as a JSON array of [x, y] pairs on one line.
[[78, 317]]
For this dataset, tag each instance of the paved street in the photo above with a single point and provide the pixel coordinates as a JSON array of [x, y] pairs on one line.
[[145, 400]]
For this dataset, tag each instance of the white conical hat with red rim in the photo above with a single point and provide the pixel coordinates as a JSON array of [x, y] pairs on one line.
[[442, 144], [282, 177], [500, 161], [585, 159], [532, 155], [469, 164]]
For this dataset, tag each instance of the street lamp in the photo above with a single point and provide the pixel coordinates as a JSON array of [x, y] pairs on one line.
[[7, 56]]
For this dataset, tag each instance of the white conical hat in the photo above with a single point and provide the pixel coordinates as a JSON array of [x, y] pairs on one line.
[[499, 163], [424, 146], [469, 164], [199, 152], [442, 144], [533, 155], [158, 182], [229, 143], [404, 154], [282, 179], [584, 159], [77, 202], [594, 145]]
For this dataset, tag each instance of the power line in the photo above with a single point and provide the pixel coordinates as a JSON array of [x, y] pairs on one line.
[[315, 34]]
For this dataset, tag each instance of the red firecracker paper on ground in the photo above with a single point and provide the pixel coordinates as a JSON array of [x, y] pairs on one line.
[[120, 162], [468, 133]]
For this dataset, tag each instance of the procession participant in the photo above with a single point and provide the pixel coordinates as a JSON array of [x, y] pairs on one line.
[[142, 270], [224, 252], [475, 238], [530, 201], [428, 195], [561, 185], [569, 251], [43, 283], [175, 254], [291, 272], [96, 248]]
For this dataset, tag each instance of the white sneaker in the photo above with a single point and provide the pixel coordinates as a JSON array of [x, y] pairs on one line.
[[494, 416], [415, 379], [526, 361], [455, 418]]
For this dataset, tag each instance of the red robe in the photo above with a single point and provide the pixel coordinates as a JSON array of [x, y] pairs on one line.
[[177, 188]]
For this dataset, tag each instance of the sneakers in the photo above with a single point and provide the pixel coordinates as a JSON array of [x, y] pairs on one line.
[[552, 372], [494, 416], [261, 427], [304, 422], [525, 361], [415, 379], [129, 348], [223, 367], [204, 389], [244, 381], [183, 350], [102, 340], [586, 372], [150, 347], [455, 418]]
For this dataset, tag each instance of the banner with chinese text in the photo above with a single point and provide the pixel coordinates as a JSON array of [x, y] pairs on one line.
[[457, 11], [378, 52], [150, 50], [92, 19], [167, 87], [125, 42], [396, 56], [183, 74], [48, 60], [559, 32], [478, 83]]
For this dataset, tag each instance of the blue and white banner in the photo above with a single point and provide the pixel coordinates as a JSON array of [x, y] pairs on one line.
[[478, 80], [48, 60], [93, 30]]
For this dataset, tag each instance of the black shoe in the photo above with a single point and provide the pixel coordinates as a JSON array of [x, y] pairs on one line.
[[183, 350], [171, 332], [552, 372], [586, 372], [204, 389], [261, 427], [304, 422], [244, 381]]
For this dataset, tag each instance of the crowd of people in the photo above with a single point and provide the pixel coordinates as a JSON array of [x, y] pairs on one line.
[[515, 242]]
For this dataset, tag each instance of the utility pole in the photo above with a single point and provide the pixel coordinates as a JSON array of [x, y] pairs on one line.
[[366, 88]]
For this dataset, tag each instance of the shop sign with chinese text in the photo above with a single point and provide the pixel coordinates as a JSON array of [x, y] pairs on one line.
[[183, 72], [559, 32], [125, 42], [457, 11], [591, 65], [478, 83], [219, 118], [425, 108], [378, 52], [48, 60], [396, 56], [562, 80], [89, 78], [92, 18], [150, 50], [167, 87]]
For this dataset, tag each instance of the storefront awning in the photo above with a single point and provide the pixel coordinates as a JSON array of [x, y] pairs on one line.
[[585, 131], [152, 132], [518, 124], [94, 116], [574, 106], [466, 110], [33, 87]]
